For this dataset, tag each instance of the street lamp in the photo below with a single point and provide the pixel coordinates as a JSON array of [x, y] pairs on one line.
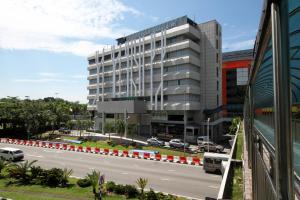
[[208, 119], [184, 118]]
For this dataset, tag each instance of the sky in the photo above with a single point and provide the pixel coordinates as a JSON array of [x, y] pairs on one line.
[[44, 43]]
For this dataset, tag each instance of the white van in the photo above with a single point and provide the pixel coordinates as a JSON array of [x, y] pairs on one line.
[[214, 162], [11, 154]]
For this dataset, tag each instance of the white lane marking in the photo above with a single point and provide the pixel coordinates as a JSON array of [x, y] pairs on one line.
[[37, 156], [76, 177], [213, 186], [164, 179], [124, 173], [49, 151], [171, 170]]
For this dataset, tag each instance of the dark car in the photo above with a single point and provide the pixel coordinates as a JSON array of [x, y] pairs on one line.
[[178, 143], [213, 147], [155, 142]]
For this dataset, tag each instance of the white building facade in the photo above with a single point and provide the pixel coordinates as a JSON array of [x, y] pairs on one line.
[[161, 78]]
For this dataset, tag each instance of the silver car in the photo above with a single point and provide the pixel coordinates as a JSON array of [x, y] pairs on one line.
[[178, 143], [211, 146]]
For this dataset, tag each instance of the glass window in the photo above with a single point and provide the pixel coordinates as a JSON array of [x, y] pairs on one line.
[[263, 95], [294, 31]]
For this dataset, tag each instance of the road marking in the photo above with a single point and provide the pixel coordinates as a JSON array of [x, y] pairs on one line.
[[76, 177], [49, 151], [171, 170], [164, 179], [213, 186], [124, 173], [37, 156]]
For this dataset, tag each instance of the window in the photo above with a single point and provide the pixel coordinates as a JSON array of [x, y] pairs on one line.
[[217, 58], [217, 44], [241, 76]]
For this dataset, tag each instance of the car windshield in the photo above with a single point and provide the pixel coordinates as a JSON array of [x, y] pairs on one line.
[[17, 152]]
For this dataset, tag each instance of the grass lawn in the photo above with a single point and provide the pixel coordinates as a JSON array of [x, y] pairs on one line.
[[237, 185], [37, 192], [104, 144], [240, 144]]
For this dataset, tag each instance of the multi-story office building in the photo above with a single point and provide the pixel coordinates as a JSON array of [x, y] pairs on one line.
[[161, 78], [235, 73]]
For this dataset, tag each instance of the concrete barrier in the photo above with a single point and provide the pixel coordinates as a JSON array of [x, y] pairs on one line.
[[170, 158], [88, 150], [182, 160], [106, 151], [96, 150]]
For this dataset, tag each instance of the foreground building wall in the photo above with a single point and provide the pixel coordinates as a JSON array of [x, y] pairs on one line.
[[272, 106], [164, 77]]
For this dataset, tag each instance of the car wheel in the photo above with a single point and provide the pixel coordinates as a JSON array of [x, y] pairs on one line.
[[218, 151]]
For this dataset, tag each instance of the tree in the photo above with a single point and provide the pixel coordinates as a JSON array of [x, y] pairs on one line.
[[120, 127], [65, 177], [132, 130], [94, 178], [108, 128], [142, 183]]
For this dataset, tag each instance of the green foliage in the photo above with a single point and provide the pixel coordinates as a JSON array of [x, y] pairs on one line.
[[52, 177], [119, 189], [83, 183], [21, 171], [36, 172], [65, 176], [151, 195], [109, 126], [110, 186], [3, 165], [37, 116], [142, 183], [93, 178], [234, 124], [131, 191], [120, 126]]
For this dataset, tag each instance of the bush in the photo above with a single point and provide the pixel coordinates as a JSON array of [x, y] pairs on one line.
[[84, 183], [119, 189], [131, 191], [151, 195], [36, 171], [53, 177], [110, 186]]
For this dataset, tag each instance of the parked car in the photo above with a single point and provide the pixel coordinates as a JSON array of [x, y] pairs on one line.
[[11, 154], [178, 143], [155, 142], [212, 147], [202, 139]]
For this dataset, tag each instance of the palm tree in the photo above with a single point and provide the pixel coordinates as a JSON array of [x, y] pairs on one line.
[[21, 170], [142, 183], [66, 175], [3, 164], [120, 126], [94, 178]]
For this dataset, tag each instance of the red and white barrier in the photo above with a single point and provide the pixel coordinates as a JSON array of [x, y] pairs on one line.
[[106, 151]]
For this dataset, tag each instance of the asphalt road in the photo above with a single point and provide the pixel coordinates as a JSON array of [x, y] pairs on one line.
[[184, 180]]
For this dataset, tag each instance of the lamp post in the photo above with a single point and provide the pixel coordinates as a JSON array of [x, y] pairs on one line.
[[184, 118], [208, 119]]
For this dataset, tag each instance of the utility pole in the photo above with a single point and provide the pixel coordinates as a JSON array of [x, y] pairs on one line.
[[208, 119]]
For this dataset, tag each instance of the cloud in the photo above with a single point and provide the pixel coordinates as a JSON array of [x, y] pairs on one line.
[[240, 45], [61, 26], [39, 80], [50, 77]]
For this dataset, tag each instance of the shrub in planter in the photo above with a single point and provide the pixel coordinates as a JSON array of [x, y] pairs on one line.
[[131, 191], [36, 171], [84, 183], [110, 186], [119, 189], [54, 177], [151, 195]]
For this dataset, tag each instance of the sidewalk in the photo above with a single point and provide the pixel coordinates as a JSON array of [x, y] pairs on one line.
[[247, 173]]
